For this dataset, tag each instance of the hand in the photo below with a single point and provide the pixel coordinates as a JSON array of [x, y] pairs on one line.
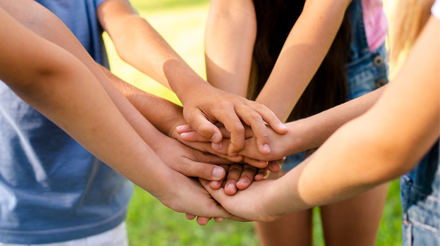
[[252, 203], [209, 105], [189, 162], [282, 144], [204, 146], [192, 198], [241, 176]]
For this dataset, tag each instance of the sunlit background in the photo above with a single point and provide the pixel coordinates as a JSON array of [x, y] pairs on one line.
[[182, 23]]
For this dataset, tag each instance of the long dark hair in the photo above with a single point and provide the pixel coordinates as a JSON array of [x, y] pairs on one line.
[[328, 88]]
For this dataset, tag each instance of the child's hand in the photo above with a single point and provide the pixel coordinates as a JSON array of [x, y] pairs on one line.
[[280, 144], [251, 204], [192, 198], [209, 105], [241, 176]]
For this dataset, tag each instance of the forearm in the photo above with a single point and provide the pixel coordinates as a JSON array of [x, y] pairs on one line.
[[46, 25], [382, 144], [163, 114], [138, 43], [312, 132], [229, 41], [61, 88], [303, 52]]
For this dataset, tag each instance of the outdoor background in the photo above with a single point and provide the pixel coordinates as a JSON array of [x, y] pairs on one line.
[[182, 23]]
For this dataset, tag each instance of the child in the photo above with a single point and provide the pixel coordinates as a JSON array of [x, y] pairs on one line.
[[54, 190], [398, 129], [273, 50]]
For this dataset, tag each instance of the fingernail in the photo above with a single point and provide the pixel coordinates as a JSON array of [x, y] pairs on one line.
[[218, 172], [216, 138], [180, 127], [184, 134], [266, 148], [231, 186], [214, 183], [282, 125], [244, 181], [217, 146]]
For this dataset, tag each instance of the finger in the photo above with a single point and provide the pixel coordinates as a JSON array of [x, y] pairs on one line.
[[202, 220], [220, 196], [274, 166], [269, 117], [246, 178], [190, 216], [254, 162], [217, 184], [184, 128], [233, 124], [204, 127], [234, 173], [202, 170], [262, 174], [248, 132], [193, 137], [222, 146], [223, 158], [255, 121], [218, 220], [213, 159]]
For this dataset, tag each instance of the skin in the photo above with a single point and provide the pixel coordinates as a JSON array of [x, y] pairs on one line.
[[68, 105], [369, 150], [230, 37], [141, 46]]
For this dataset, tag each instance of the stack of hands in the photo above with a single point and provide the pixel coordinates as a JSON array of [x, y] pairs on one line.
[[231, 157]]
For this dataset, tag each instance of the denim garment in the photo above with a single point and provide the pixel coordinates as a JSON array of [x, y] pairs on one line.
[[51, 188], [420, 197], [366, 70]]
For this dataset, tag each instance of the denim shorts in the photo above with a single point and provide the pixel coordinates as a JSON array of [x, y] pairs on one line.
[[365, 74], [420, 197]]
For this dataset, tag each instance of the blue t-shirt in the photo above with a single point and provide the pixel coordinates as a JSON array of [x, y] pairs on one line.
[[51, 188]]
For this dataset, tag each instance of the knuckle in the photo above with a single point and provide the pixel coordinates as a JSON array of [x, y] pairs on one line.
[[203, 128], [256, 116], [235, 168], [238, 128], [203, 171]]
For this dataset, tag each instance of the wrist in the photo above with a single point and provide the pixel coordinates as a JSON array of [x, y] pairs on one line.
[[190, 88], [301, 136]]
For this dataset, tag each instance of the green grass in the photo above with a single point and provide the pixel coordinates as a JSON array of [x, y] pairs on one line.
[[181, 23]]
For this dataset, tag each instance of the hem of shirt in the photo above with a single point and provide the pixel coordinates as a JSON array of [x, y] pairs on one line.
[[62, 235]]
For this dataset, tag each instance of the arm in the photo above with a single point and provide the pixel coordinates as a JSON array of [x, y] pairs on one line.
[[60, 86], [303, 52], [45, 24], [96, 128], [381, 145], [229, 42], [140, 45], [304, 134], [230, 35]]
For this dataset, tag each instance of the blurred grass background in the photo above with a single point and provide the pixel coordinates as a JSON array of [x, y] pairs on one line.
[[182, 24]]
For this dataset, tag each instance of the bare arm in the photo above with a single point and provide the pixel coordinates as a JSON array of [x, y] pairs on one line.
[[61, 87], [303, 52], [229, 42], [382, 144], [140, 45], [45, 24]]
